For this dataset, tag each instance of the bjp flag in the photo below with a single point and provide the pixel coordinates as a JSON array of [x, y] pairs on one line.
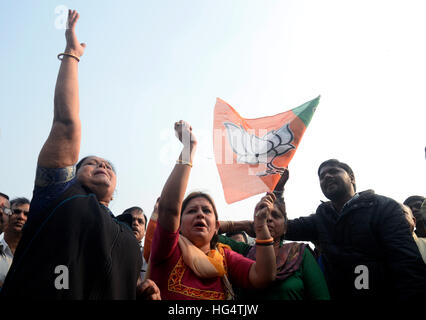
[[251, 154]]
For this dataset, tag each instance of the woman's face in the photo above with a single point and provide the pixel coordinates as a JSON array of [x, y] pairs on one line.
[[276, 223], [97, 174], [198, 222]]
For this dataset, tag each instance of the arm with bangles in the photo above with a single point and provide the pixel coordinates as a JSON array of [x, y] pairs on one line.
[[173, 192], [60, 152], [247, 225], [235, 226], [264, 270], [300, 229], [62, 147]]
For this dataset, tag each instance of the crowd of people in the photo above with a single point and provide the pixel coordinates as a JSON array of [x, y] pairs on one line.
[[365, 245]]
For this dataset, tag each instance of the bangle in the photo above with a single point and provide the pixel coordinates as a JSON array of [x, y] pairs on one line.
[[184, 162], [265, 241], [265, 244], [69, 55]]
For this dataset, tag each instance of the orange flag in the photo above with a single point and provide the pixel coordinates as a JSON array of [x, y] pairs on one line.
[[251, 154]]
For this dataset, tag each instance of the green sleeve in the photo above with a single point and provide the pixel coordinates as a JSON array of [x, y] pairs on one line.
[[313, 278], [240, 247]]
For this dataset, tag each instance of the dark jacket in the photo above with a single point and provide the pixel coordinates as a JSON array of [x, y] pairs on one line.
[[101, 254], [370, 231]]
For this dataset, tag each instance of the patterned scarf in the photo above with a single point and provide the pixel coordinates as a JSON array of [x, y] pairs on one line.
[[289, 258], [204, 266], [207, 265]]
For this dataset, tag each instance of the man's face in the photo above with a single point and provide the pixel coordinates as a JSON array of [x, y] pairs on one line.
[[4, 217], [19, 217], [335, 183], [138, 224]]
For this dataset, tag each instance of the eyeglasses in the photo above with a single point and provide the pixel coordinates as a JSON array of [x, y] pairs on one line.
[[7, 211], [19, 211]]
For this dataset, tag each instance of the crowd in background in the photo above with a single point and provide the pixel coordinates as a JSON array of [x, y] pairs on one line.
[[65, 243]]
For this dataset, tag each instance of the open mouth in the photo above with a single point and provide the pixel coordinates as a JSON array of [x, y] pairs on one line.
[[200, 225]]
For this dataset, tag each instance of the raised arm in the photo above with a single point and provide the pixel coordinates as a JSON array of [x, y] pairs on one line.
[[279, 188], [247, 225], [235, 226], [62, 147], [264, 270], [174, 190]]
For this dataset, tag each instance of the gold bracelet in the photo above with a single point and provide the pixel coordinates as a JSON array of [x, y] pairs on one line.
[[69, 55], [184, 162]]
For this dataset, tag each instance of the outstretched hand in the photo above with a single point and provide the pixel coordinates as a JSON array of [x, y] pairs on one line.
[[73, 46]]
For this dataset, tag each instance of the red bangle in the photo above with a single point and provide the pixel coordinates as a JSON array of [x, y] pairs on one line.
[[265, 241]]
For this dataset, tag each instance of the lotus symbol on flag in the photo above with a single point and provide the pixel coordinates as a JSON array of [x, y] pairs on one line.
[[251, 149]]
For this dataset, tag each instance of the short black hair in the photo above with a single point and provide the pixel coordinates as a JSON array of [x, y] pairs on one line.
[[4, 195], [139, 209], [337, 163], [412, 199], [126, 218], [19, 201]]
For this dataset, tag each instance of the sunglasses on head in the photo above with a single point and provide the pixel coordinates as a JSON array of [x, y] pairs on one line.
[[19, 211]]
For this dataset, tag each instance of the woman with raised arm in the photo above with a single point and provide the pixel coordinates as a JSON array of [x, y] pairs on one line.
[[72, 247], [186, 262], [298, 276]]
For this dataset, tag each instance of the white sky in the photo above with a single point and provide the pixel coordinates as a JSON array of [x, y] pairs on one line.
[[151, 63]]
